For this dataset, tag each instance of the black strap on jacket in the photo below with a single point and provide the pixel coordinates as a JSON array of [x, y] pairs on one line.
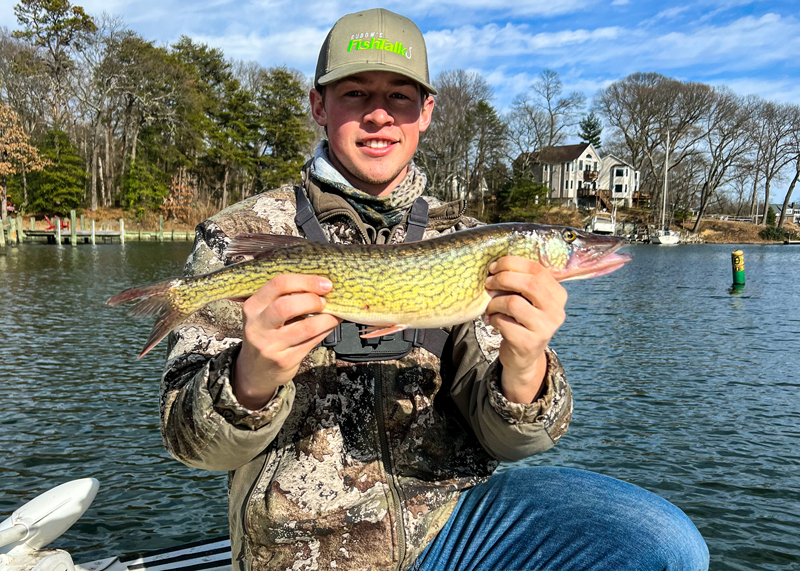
[[346, 339]]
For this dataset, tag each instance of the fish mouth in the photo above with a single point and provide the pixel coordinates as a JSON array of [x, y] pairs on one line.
[[595, 256]]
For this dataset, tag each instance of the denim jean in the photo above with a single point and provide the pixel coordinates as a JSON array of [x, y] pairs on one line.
[[562, 519]]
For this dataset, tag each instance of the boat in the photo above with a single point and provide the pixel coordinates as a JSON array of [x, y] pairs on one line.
[[664, 236], [32, 527], [603, 223]]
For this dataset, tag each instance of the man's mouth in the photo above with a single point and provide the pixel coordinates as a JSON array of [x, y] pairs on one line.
[[376, 143]]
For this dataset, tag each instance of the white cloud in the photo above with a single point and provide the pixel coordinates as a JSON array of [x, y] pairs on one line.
[[785, 90], [297, 48], [668, 14], [446, 48]]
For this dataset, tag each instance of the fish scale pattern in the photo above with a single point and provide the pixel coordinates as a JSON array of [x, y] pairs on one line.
[[433, 283]]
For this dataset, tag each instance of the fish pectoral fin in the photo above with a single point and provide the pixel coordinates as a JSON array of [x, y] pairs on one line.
[[380, 331]]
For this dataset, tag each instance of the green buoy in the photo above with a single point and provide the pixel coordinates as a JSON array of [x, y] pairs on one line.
[[737, 265]]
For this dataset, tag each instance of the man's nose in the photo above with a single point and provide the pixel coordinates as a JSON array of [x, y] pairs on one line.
[[379, 115]]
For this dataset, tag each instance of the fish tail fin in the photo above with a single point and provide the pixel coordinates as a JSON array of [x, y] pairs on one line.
[[155, 302], [141, 292]]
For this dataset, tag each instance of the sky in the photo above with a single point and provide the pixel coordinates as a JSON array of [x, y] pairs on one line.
[[752, 46]]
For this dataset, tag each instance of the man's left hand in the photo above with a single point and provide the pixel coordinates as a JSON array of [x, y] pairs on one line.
[[527, 309]]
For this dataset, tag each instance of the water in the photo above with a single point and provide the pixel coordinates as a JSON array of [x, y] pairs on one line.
[[680, 387]]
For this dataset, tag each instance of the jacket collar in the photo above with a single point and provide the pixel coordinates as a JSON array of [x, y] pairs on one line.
[[328, 204]]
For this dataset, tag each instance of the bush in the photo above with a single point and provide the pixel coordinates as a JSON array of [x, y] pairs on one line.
[[776, 234], [771, 219]]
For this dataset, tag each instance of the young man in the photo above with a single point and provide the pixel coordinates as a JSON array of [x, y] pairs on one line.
[[351, 454]]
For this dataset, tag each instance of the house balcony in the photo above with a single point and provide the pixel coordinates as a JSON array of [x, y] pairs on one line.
[[584, 192], [589, 175]]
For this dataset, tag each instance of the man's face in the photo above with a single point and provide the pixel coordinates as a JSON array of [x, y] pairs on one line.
[[373, 120]]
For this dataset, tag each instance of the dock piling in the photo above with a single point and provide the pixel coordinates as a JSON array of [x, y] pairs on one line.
[[33, 223], [2, 234], [160, 227], [73, 229], [93, 237], [121, 231], [20, 233], [57, 221]]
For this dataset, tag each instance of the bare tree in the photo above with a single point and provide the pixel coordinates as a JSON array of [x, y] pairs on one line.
[[58, 29], [793, 151], [95, 80], [725, 142], [445, 147], [544, 117], [526, 128], [23, 85], [771, 135], [642, 108]]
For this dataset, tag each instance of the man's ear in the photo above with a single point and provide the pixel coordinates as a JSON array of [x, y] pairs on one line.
[[426, 114], [318, 108]]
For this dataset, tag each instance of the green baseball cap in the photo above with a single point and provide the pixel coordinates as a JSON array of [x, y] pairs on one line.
[[373, 40]]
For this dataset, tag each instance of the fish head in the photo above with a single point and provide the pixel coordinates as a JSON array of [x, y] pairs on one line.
[[572, 254]]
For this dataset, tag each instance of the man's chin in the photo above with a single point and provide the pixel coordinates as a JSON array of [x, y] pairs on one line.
[[373, 181]]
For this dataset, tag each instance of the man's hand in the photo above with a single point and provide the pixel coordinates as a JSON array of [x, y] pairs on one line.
[[275, 338], [527, 309]]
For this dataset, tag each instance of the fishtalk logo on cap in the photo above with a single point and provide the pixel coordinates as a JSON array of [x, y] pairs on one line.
[[373, 40], [380, 44]]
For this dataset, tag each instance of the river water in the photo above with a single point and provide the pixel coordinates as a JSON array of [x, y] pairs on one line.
[[680, 387]]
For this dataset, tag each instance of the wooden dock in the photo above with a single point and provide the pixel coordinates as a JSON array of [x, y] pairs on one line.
[[13, 232]]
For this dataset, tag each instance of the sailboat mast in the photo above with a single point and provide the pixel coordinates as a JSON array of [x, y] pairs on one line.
[[666, 175]]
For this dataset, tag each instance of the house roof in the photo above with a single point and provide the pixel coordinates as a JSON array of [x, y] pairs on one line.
[[562, 154], [618, 160]]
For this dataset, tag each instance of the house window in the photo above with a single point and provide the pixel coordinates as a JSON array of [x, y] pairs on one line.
[[595, 165], [618, 188], [619, 173], [580, 165], [589, 156]]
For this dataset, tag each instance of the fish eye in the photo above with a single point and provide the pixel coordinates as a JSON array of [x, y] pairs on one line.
[[569, 236]]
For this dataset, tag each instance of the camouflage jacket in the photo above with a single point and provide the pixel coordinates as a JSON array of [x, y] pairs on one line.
[[350, 466]]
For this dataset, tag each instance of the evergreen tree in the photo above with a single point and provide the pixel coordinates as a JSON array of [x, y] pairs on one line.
[[58, 188], [590, 129], [771, 217], [283, 130]]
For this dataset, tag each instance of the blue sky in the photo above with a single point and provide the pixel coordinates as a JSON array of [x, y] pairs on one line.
[[753, 46]]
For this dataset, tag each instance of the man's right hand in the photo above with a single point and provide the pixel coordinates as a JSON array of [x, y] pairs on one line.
[[275, 339]]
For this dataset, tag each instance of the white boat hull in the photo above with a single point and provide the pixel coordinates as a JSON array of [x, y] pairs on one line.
[[664, 239]]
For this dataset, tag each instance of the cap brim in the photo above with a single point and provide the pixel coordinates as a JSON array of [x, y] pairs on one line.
[[352, 69]]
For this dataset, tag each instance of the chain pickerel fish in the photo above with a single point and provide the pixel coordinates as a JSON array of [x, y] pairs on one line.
[[428, 284]]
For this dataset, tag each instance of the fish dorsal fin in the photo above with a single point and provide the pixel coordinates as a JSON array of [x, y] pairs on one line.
[[260, 245]]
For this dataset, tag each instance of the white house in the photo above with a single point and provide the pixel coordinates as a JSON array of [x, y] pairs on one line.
[[620, 178], [578, 176]]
